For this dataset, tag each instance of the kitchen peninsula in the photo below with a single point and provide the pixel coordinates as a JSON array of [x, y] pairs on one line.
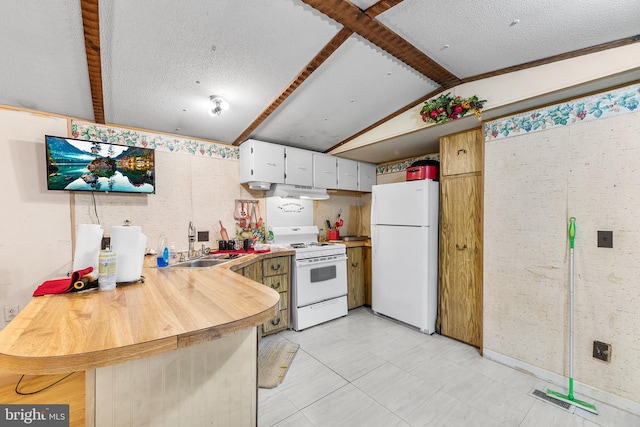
[[180, 346]]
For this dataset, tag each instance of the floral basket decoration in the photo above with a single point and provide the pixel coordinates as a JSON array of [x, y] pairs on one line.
[[446, 107]]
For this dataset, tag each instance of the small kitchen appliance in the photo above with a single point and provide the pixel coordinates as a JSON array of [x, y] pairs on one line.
[[423, 169]]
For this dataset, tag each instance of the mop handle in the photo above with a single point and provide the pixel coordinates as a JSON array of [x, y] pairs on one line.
[[572, 236], [572, 231]]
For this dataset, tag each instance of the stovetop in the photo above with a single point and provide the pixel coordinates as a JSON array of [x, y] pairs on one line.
[[304, 240]]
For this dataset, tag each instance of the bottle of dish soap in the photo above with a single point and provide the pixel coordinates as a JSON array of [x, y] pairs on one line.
[[163, 251]]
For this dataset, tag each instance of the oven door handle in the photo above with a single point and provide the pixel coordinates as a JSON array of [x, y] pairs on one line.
[[310, 263]]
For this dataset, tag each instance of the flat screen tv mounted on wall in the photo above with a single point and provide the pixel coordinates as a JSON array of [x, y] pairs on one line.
[[80, 165]]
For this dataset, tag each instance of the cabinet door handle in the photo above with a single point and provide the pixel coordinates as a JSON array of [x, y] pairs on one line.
[[458, 247], [270, 164], [462, 150], [275, 267], [275, 322], [302, 168], [354, 264], [275, 286]]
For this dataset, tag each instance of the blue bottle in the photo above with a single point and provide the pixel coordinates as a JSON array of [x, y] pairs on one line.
[[163, 251]]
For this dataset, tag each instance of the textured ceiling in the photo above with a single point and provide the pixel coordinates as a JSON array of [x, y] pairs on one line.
[[306, 73]]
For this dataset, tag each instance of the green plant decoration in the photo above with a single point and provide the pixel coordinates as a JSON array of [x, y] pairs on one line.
[[445, 108]]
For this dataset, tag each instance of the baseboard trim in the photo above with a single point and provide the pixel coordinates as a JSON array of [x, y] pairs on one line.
[[561, 381]]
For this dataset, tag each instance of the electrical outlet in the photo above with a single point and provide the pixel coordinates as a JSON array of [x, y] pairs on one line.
[[605, 239], [203, 236], [602, 351], [10, 311]]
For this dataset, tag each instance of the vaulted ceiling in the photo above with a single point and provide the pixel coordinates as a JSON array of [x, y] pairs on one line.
[[306, 73]]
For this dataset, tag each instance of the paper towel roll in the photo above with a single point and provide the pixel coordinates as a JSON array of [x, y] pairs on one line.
[[88, 242], [129, 245]]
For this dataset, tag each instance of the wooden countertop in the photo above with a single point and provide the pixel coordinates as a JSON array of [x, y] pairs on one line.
[[173, 308], [353, 243]]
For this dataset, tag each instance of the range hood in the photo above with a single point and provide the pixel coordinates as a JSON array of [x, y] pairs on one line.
[[297, 192]]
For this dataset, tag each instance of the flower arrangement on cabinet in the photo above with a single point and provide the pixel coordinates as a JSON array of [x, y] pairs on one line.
[[446, 107]]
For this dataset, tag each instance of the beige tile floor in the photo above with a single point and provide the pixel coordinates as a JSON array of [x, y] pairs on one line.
[[366, 370]]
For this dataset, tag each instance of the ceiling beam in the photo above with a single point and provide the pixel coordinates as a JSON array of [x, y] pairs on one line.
[[381, 7], [91, 26], [555, 58], [322, 56], [359, 22]]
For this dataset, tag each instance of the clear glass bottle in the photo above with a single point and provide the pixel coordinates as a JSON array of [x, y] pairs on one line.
[[173, 255]]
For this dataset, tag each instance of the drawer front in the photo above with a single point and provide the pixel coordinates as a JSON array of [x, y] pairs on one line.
[[284, 300], [275, 266], [281, 321], [280, 283]]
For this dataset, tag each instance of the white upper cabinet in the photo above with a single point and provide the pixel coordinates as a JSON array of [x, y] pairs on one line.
[[298, 166], [347, 174], [366, 176], [324, 171], [261, 162]]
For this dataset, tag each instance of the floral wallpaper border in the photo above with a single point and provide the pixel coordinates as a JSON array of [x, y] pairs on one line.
[[135, 138], [616, 102], [401, 166]]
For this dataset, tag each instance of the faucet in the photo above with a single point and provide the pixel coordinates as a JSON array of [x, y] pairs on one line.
[[192, 239]]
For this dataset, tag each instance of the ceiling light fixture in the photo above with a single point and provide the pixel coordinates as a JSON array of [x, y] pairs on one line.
[[219, 105]]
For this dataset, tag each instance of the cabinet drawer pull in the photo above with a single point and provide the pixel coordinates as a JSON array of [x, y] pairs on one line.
[[354, 264], [458, 247], [275, 322], [462, 150], [270, 164], [276, 286], [275, 267]]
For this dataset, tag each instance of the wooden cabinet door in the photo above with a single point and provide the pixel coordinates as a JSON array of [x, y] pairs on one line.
[[461, 153], [355, 277], [460, 291], [367, 276]]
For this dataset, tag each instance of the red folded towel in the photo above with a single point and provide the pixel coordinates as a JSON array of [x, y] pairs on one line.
[[61, 286]]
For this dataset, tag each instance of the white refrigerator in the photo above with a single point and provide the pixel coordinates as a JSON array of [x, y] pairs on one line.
[[404, 247]]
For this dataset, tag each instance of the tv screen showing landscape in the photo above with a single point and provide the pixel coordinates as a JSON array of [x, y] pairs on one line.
[[79, 165]]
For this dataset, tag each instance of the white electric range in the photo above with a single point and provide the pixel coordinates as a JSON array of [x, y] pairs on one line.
[[319, 280]]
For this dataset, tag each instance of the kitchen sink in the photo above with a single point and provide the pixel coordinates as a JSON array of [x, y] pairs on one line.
[[207, 261]]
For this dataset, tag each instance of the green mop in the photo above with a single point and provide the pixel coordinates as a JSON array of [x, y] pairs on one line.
[[569, 397]]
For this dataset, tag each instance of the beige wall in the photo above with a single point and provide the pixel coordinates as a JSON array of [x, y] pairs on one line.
[[35, 240], [533, 184]]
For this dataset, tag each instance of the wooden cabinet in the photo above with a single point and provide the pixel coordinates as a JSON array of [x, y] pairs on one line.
[[461, 153], [275, 273], [460, 264], [356, 277], [272, 272], [298, 166]]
